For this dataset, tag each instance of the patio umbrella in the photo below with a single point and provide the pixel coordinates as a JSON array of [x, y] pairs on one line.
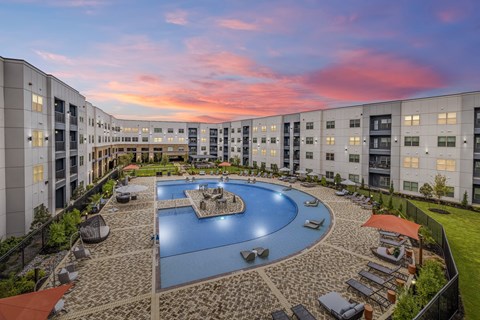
[[301, 171], [225, 164], [393, 224], [31, 306], [131, 167], [132, 188], [348, 182], [284, 169], [312, 174]]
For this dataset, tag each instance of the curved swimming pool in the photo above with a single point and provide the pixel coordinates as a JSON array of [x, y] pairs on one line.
[[193, 249]]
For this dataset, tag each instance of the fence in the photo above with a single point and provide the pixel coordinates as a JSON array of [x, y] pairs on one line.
[[445, 304], [19, 256]]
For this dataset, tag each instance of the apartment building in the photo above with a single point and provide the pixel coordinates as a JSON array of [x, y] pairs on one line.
[[52, 140]]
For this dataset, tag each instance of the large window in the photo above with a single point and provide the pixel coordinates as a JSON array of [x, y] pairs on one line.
[[264, 140], [264, 152], [273, 128], [410, 162], [354, 158], [355, 123], [446, 141], [170, 130], [412, 120], [412, 141], [354, 141], [354, 177], [264, 128], [144, 130], [254, 152], [449, 192], [410, 186], [308, 155], [157, 139], [330, 156], [273, 140], [37, 103], [330, 124], [330, 140], [157, 130], [447, 118], [37, 138], [384, 181], [309, 125], [309, 140], [329, 174], [445, 165], [38, 173], [254, 140], [273, 153]]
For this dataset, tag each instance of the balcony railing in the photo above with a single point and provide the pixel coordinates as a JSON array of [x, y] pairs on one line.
[[60, 174], [379, 165], [192, 132], [381, 146], [74, 170], [73, 145], [296, 144], [73, 120], [59, 145], [59, 117]]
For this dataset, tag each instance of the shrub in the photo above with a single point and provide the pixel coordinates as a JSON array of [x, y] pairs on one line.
[[323, 182], [57, 236], [427, 235], [108, 187], [430, 280], [391, 189], [407, 306], [70, 222], [390, 203], [8, 244], [337, 179], [380, 199], [41, 216], [30, 275], [13, 286], [465, 199], [400, 207], [89, 186], [426, 190]]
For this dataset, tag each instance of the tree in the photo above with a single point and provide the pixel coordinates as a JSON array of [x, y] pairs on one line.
[[439, 186], [41, 215], [426, 190], [380, 199], [391, 189], [363, 184], [275, 168], [125, 159], [165, 160], [323, 182], [390, 203], [236, 161], [465, 199], [57, 234], [337, 180], [262, 166]]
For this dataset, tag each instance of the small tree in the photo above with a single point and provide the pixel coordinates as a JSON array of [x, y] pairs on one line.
[[40, 216], [426, 190], [363, 184], [400, 207], [275, 168], [165, 160], [57, 236], [390, 203], [337, 180], [380, 199], [236, 161], [125, 159], [439, 187], [391, 189], [323, 182], [262, 166], [430, 280], [465, 199], [407, 306]]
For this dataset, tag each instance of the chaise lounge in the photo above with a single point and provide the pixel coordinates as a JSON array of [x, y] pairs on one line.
[[302, 313], [248, 255], [262, 252], [280, 315], [312, 203], [382, 253], [313, 224], [369, 293], [340, 308]]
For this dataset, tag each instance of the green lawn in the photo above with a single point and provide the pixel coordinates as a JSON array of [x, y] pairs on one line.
[[463, 232]]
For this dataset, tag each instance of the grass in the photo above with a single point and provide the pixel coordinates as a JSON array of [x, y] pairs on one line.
[[463, 232]]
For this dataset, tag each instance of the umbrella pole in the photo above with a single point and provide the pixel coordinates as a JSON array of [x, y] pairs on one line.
[[420, 250]]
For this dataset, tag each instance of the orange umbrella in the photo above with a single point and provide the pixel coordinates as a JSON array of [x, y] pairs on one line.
[[31, 306], [131, 167], [224, 164], [393, 224]]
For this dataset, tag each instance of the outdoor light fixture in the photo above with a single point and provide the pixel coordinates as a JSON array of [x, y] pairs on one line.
[[346, 149], [396, 139], [465, 140], [426, 151], [46, 138], [29, 138], [364, 140]]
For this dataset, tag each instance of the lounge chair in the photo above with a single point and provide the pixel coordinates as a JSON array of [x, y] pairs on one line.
[[352, 196], [259, 174], [280, 315], [378, 280], [340, 308], [211, 172], [392, 242], [367, 206], [81, 253], [381, 252], [270, 175], [94, 230], [262, 252], [313, 224], [66, 277], [287, 188], [369, 293], [248, 255], [342, 193], [365, 202], [385, 270], [292, 180], [388, 234], [359, 200], [202, 173], [302, 313], [312, 203], [308, 184], [59, 307], [265, 174], [206, 195]]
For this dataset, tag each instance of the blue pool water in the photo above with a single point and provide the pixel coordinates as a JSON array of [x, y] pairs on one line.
[[192, 249]]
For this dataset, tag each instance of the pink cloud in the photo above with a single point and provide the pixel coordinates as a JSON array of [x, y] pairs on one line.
[[55, 58], [177, 17], [364, 75], [236, 24], [450, 15]]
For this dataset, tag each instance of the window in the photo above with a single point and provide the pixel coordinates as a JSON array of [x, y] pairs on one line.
[[447, 118], [329, 174], [331, 140], [37, 103], [157, 130], [308, 155], [264, 152], [134, 139], [354, 141], [144, 139], [37, 173], [445, 165], [309, 140], [412, 141], [255, 129], [232, 140], [384, 181], [157, 139], [37, 138], [145, 130], [273, 140], [254, 140], [81, 160], [354, 177], [449, 192], [134, 129], [264, 128], [170, 130], [239, 130], [330, 124], [239, 140], [232, 149], [330, 156], [273, 128], [412, 120], [181, 130], [410, 162], [81, 138], [264, 140], [203, 148], [128, 139], [449, 141], [309, 125], [233, 130], [181, 139], [130, 130], [410, 186], [254, 152], [273, 153], [355, 123], [239, 149], [205, 139], [354, 158], [170, 139]]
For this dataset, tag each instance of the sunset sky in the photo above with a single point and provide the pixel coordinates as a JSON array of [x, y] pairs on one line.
[[220, 60]]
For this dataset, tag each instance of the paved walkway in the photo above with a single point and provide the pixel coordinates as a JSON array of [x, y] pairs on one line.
[[119, 282]]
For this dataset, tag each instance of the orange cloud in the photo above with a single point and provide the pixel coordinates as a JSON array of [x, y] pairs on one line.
[[367, 75], [237, 25]]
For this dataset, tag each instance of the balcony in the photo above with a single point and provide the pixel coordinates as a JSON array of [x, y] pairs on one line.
[[379, 167], [73, 120], [59, 117], [73, 145], [73, 170], [213, 134], [192, 142], [59, 146], [60, 174], [213, 141], [192, 133], [246, 131]]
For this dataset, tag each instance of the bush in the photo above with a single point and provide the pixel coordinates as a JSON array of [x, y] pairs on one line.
[[40, 217], [407, 306], [57, 236], [30, 275], [465, 199], [390, 203], [430, 280], [8, 244], [380, 199], [89, 186], [323, 182], [108, 187], [70, 221], [13, 286]]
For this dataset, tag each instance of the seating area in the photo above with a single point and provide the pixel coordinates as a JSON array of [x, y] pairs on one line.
[[94, 230], [250, 255], [389, 255], [341, 308]]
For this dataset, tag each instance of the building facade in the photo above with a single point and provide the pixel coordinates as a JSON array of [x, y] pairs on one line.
[[52, 141]]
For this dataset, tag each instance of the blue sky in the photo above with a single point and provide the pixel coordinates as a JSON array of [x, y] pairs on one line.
[[226, 60]]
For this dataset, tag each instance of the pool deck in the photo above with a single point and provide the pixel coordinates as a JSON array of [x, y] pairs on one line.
[[120, 281]]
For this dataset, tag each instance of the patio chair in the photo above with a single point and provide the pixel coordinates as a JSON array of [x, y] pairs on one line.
[[287, 188], [352, 196], [202, 173], [280, 315], [388, 234], [385, 270], [81, 252], [392, 242], [122, 197], [270, 175], [187, 179], [302, 313], [262, 252], [66, 277], [249, 256], [265, 174], [254, 180], [94, 230], [313, 224], [308, 184], [361, 199], [378, 280], [340, 308], [342, 193], [367, 206], [206, 196], [259, 174], [292, 180], [312, 203], [58, 308], [211, 172], [369, 293], [382, 253]]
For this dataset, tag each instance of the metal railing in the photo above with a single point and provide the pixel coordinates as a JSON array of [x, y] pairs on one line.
[[73, 145], [60, 174], [73, 120], [59, 145], [59, 117], [445, 304]]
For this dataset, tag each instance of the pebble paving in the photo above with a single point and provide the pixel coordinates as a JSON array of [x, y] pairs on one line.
[[117, 283]]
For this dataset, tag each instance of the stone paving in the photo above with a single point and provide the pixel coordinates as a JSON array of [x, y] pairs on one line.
[[118, 282]]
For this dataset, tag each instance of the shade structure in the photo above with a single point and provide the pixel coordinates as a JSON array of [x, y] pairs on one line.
[[284, 169], [313, 174], [301, 171], [393, 224], [225, 164], [131, 167], [31, 306], [132, 188], [348, 182]]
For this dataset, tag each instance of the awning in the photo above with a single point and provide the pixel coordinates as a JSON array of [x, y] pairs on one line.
[[131, 167], [393, 224]]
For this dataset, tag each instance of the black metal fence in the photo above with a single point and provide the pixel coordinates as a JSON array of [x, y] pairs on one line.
[[445, 304], [36, 241]]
